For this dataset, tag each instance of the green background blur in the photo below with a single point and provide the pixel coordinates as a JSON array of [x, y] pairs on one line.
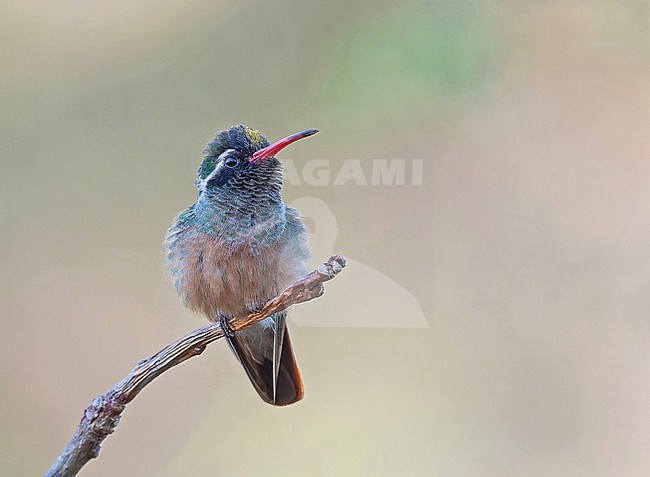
[[527, 246]]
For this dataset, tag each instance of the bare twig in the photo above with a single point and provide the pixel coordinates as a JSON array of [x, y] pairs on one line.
[[102, 416]]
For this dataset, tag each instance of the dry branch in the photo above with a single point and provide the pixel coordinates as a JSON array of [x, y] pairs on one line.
[[102, 416]]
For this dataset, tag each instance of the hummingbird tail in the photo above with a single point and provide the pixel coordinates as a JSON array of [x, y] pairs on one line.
[[266, 353]]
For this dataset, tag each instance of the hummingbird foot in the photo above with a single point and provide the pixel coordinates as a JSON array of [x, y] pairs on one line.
[[224, 322]]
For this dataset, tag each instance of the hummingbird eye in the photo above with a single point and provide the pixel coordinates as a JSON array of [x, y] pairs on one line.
[[230, 161]]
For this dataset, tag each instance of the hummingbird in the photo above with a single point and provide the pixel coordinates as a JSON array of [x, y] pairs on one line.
[[238, 246]]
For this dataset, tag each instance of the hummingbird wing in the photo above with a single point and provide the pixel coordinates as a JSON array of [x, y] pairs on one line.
[[266, 353]]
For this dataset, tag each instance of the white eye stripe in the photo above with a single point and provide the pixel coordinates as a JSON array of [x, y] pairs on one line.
[[226, 153], [220, 165]]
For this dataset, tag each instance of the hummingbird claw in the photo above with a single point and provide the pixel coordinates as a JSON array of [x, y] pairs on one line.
[[225, 326]]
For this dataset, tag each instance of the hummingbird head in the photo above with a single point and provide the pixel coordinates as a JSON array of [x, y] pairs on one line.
[[241, 159]]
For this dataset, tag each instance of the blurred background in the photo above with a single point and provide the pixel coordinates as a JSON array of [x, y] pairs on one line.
[[514, 340]]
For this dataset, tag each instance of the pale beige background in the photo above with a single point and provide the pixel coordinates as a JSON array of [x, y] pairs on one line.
[[527, 247]]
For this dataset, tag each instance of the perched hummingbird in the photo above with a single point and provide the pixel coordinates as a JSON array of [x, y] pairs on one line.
[[238, 246]]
